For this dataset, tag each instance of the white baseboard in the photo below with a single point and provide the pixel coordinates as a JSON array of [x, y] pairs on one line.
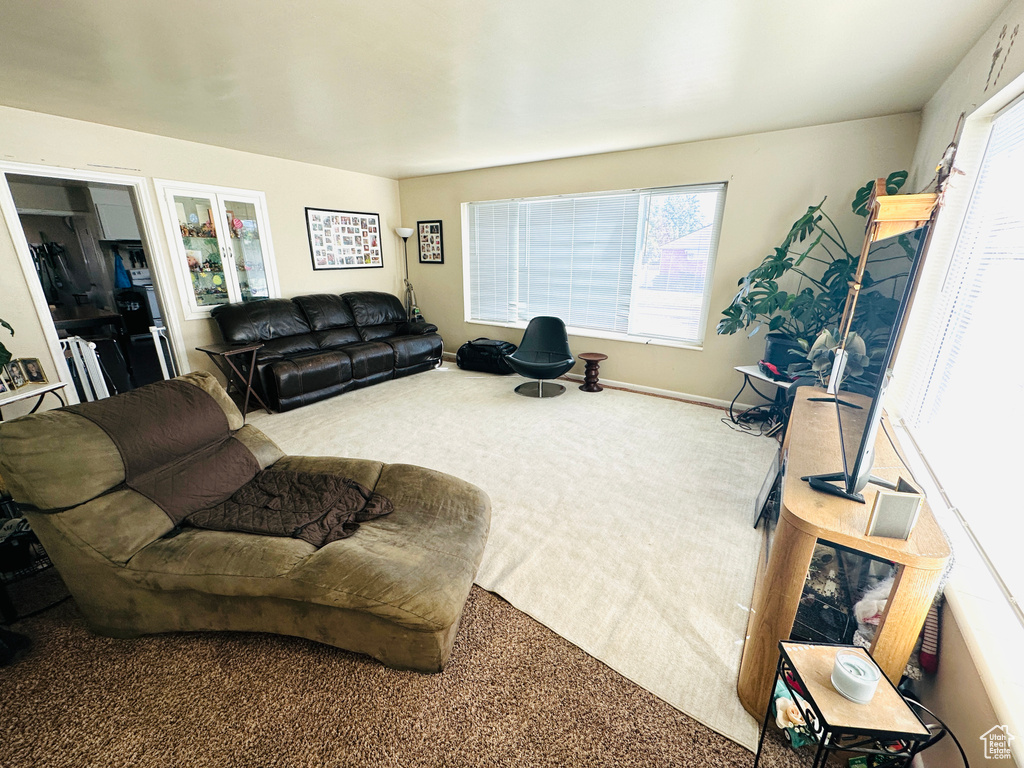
[[671, 394]]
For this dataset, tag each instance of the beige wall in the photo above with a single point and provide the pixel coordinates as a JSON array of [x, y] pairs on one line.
[[772, 179], [29, 137]]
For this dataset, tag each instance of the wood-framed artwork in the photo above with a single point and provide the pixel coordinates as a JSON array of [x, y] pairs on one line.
[[431, 242], [344, 239]]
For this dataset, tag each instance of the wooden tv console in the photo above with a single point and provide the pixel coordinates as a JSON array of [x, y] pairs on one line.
[[811, 447]]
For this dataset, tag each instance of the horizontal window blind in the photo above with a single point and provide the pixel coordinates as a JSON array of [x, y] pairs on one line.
[[967, 366], [635, 263]]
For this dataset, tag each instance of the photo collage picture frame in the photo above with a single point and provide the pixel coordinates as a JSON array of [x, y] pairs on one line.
[[344, 239]]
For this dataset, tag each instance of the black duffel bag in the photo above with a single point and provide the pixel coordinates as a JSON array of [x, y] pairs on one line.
[[487, 355]]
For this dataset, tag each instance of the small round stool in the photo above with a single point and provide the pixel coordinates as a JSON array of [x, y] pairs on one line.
[[593, 361]]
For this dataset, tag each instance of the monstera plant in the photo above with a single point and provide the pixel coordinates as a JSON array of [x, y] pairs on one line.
[[5, 354], [814, 251]]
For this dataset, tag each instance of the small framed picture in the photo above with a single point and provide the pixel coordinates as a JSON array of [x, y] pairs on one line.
[[33, 370], [15, 375], [3, 384], [431, 244]]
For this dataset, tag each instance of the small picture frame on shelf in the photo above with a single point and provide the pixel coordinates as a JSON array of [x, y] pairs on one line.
[[344, 239], [3, 383], [431, 242], [33, 370], [15, 375]]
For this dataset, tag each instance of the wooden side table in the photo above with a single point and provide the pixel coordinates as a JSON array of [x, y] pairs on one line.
[[838, 723], [32, 390], [806, 516], [241, 378], [593, 361]]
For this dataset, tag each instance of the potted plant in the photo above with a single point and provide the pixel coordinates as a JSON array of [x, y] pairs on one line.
[[813, 250]]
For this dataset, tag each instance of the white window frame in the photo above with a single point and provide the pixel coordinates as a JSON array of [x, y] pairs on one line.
[[988, 616], [716, 225], [166, 190]]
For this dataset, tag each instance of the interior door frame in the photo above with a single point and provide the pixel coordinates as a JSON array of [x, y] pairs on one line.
[[154, 245]]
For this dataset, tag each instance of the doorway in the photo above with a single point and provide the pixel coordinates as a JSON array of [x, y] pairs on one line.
[[93, 269]]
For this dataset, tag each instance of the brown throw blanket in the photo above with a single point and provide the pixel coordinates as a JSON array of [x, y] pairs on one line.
[[313, 507]]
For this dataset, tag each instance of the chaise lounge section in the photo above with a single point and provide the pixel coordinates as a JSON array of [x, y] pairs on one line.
[[321, 345], [395, 589]]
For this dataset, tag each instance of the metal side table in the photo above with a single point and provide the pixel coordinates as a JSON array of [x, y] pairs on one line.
[[238, 375], [885, 726]]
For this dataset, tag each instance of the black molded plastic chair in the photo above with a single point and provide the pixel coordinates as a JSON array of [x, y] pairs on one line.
[[543, 354]]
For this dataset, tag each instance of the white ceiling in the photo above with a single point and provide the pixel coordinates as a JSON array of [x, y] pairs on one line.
[[402, 88]]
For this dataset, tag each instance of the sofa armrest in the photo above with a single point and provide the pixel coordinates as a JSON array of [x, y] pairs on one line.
[[415, 329]]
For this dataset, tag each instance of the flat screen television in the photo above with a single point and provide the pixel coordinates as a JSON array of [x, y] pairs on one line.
[[890, 272]]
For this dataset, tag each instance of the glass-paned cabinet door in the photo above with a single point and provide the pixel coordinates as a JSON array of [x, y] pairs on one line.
[[221, 244], [242, 220]]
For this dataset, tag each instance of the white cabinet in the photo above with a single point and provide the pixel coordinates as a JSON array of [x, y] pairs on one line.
[[116, 213], [221, 246]]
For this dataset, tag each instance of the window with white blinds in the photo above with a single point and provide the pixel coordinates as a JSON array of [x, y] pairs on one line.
[[632, 265], [968, 379]]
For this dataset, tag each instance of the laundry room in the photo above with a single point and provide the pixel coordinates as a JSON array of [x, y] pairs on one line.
[[94, 272]]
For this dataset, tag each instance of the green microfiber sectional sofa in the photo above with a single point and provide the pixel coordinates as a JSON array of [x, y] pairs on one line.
[[395, 590]]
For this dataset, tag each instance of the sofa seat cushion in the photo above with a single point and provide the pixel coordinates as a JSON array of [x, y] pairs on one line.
[[370, 359], [286, 346], [337, 338], [222, 563], [413, 567], [303, 374], [413, 350]]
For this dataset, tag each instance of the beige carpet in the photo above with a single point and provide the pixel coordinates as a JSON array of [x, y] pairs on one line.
[[621, 521]]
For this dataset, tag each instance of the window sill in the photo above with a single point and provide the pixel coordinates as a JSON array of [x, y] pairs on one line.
[[587, 333]]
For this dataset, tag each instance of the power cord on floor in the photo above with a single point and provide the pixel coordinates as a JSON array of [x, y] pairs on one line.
[[768, 418]]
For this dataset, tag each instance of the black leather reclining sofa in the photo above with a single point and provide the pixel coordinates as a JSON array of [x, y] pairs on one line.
[[318, 346]]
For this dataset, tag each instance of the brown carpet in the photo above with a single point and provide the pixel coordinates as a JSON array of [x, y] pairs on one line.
[[514, 694]]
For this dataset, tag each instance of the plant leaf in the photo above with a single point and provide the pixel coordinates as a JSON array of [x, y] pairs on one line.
[[895, 181], [7, 325], [860, 200]]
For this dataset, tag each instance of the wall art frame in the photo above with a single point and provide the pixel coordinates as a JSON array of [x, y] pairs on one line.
[[344, 239], [431, 240]]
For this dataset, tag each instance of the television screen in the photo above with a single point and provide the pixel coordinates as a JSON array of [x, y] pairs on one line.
[[890, 270]]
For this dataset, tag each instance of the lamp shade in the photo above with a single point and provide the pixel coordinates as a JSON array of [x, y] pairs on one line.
[[404, 232]]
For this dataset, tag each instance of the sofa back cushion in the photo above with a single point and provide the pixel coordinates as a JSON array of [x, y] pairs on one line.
[[377, 315], [330, 318], [251, 321], [171, 441]]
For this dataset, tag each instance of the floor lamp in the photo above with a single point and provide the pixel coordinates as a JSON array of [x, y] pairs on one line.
[[411, 310]]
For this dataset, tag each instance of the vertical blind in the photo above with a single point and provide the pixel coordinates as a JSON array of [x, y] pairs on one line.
[[635, 263], [971, 363]]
